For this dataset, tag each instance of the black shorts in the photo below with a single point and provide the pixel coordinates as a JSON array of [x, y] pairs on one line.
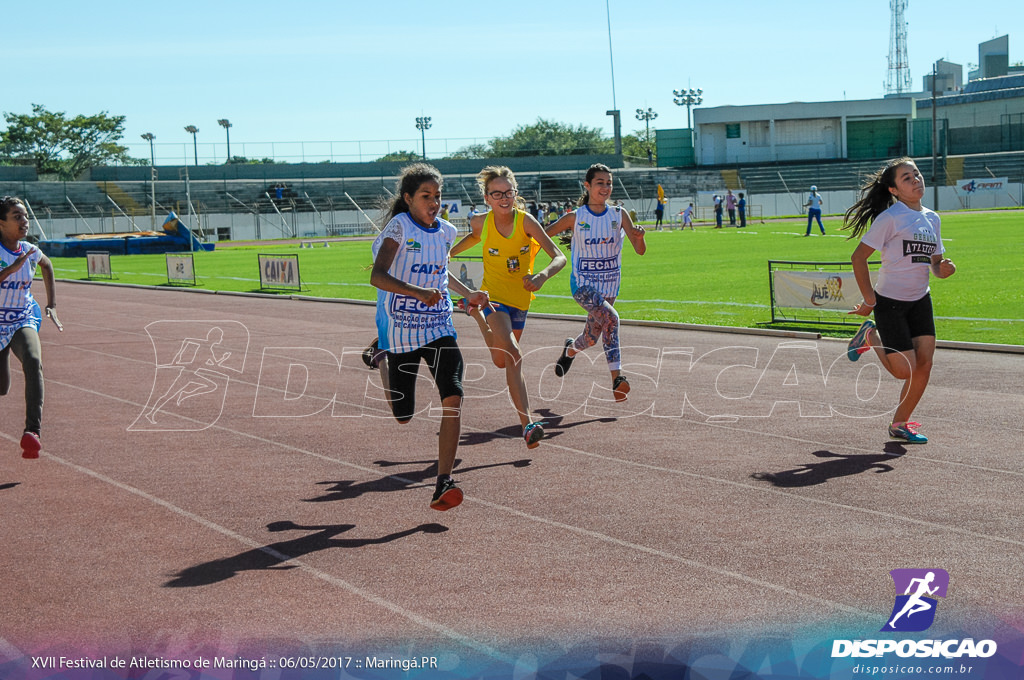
[[900, 322], [443, 358]]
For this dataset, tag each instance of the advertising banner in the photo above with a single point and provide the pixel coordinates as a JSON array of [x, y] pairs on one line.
[[98, 264], [817, 290], [181, 269], [279, 271], [966, 187]]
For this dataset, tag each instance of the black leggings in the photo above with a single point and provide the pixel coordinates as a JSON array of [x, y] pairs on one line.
[[443, 358]]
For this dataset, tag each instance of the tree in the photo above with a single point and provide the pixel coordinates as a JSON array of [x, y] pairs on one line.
[[548, 138], [400, 156], [471, 151], [634, 145], [66, 146], [242, 160]]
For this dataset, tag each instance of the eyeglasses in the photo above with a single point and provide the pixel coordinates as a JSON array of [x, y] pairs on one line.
[[498, 195]]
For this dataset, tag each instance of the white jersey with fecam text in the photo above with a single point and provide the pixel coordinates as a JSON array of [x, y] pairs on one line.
[[403, 322], [18, 308], [597, 250]]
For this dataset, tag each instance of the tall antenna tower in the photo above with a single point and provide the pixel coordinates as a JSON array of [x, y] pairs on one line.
[[898, 81]]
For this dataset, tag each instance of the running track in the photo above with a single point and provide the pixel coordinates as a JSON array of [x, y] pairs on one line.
[[286, 510]]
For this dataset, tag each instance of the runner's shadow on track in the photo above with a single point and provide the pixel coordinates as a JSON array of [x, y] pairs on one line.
[[556, 422], [9, 485], [271, 556], [553, 427], [811, 474], [412, 479]]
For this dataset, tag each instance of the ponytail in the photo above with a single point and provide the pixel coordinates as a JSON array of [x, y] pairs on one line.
[[409, 180], [875, 198]]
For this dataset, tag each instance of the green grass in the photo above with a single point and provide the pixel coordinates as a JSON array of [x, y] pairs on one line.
[[717, 277]]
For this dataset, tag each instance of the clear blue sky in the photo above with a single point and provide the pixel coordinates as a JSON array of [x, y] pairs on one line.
[[341, 71]]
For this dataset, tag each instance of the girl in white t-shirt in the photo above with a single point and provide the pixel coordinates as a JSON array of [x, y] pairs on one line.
[[908, 237]]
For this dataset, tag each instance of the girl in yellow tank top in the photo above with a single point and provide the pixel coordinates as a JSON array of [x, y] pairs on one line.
[[508, 260], [511, 238]]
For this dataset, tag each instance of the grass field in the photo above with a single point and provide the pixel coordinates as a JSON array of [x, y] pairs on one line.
[[707, 276]]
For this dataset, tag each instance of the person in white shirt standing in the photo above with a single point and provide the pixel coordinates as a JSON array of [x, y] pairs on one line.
[[20, 316], [813, 206], [908, 236]]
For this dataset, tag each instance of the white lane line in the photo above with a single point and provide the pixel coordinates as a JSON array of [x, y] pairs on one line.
[[576, 529], [251, 543]]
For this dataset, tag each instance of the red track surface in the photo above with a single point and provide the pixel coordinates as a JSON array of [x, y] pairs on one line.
[[255, 515]]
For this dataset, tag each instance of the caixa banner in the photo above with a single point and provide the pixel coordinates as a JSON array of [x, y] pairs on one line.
[[816, 290]]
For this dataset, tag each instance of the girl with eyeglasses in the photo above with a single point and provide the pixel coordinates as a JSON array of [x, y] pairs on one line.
[[598, 234], [511, 239]]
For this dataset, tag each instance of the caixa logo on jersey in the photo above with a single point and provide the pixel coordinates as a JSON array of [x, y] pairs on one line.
[[914, 611], [428, 268], [406, 304]]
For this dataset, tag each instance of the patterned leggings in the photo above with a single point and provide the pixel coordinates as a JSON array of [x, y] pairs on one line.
[[602, 321]]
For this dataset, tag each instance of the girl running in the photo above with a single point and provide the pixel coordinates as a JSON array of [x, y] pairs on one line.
[[908, 237], [21, 316], [597, 238], [414, 313], [511, 238]]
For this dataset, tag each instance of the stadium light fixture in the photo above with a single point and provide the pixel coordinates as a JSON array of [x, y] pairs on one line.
[[647, 116], [192, 129], [688, 98], [149, 137], [226, 124], [423, 124]]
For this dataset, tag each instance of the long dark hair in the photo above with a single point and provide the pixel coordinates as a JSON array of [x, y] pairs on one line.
[[875, 197], [409, 180], [591, 171], [8, 202]]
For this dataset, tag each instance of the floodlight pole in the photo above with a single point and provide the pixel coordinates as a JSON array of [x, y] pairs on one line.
[[688, 98], [614, 113], [192, 129], [647, 116], [226, 124], [423, 124], [935, 139], [149, 137]]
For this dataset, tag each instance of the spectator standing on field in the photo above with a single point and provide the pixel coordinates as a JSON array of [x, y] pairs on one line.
[[730, 205], [813, 206]]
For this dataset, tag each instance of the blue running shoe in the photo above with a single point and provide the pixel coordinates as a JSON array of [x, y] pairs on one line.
[[907, 432], [533, 433], [859, 343]]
